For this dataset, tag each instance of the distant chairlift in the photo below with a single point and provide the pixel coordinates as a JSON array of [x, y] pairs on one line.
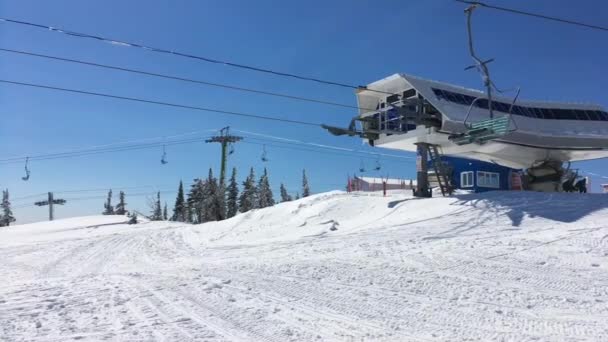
[[378, 166], [264, 154], [362, 167], [27, 170], [163, 159]]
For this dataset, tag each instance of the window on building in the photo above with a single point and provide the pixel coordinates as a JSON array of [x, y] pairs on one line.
[[488, 179], [533, 112], [466, 179]]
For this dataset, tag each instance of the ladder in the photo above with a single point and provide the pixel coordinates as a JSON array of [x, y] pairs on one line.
[[443, 179]]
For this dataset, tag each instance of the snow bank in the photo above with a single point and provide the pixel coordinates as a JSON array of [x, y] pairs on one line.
[[498, 266]]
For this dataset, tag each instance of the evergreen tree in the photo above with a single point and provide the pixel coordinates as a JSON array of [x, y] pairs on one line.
[[233, 196], [285, 197], [297, 195], [108, 208], [157, 212], [180, 209], [6, 216], [196, 203], [265, 197], [214, 199], [121, 206], [305, 186], [165, 214], [248, 197]]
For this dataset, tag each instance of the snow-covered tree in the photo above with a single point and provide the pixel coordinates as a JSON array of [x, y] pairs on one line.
[[108, 208], [121, 207], [165, 214], [196, 197], [180, 209], [285, 197], [6, 216], [157, 212], [232, 196], [265, 197], [214, 199], [305, 186], [248, 198]]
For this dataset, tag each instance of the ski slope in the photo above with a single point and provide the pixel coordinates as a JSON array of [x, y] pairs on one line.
[[501, 266]]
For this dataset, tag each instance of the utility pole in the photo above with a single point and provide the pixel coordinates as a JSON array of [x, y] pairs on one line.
[[224, 139], [50, 202]]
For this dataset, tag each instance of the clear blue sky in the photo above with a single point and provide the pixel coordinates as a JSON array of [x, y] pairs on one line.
[[349, 41]]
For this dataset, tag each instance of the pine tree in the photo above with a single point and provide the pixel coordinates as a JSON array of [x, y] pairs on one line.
[[305, 186], [121, 206], [108, 208], [214, 199], [180, 210], [157, 212], [196, 203], [6, 216], [265, 197], [297, 195], [285, 197], [233, 196], [165, 214], [248, 198]]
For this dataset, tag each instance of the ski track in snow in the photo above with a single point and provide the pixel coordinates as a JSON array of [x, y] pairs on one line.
[[477, 268]]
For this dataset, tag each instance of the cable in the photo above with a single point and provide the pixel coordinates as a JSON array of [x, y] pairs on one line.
[[98, 151], [183, 79], [167, 104], [181, 54], [536, 15], [315, 145], [300, 149]]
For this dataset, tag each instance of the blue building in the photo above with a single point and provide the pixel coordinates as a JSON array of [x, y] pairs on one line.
[[476, 175]]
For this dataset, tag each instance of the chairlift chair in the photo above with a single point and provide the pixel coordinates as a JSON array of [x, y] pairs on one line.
[[362, 167], [231, 151], [163, 159], [378, 166], [264, 155], [27, 170]]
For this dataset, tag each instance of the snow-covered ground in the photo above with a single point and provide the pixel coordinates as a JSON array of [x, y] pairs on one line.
[[507, 266]]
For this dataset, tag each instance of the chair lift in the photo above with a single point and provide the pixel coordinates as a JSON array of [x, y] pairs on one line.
[[163, 159], [231, 151], [362, 167], [378, 166], [492, 128], [27, 170], [264, 157]]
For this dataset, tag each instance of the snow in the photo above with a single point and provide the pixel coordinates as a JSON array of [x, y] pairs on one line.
[[498, 266]]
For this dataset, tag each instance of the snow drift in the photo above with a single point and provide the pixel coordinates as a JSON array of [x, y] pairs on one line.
[[496, 266]]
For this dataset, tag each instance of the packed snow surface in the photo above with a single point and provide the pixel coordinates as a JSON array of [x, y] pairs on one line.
[[504, 266]]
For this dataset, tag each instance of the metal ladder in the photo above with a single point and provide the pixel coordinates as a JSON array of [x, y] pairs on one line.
[[443, 178]]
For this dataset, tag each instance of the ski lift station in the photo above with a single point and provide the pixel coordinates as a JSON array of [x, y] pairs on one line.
[[436, 120]]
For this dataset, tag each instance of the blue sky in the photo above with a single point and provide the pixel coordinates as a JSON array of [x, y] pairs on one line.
[[354, 42]]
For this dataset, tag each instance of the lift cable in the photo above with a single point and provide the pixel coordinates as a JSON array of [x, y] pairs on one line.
[[184, 79], [167, 104], [536, 15], [186, 55], [151, 145]]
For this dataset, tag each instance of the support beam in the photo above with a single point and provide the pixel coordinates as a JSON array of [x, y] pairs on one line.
[[422, 156]]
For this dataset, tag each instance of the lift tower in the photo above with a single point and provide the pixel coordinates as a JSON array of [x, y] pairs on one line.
[[51, 202], [224, 139]]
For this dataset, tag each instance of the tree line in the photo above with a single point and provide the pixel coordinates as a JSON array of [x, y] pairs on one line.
[[210, 200]]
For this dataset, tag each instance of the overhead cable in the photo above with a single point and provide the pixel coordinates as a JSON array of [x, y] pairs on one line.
[[187, 55], [536, 15]]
